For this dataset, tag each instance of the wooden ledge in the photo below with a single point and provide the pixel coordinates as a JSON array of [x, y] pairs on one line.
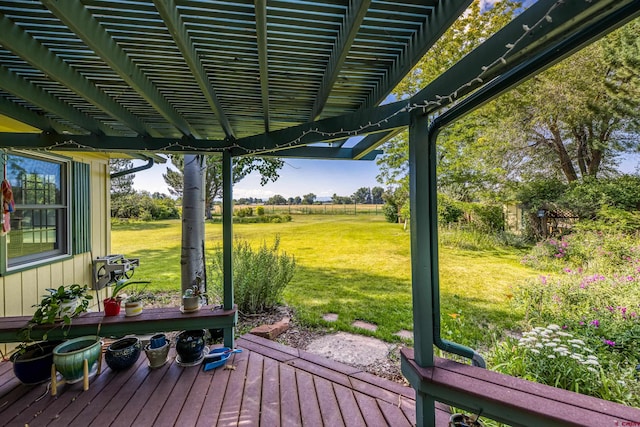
[[151, 320], [512, 400]]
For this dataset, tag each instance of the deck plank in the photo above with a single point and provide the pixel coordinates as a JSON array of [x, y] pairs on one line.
[[217, 390], [289, 398], [393, 414], [87, 406], [270, 386], [348, 406], [230, 411], [177, 398], [328, 404], [250, 411], [270, 408], [309, 406]]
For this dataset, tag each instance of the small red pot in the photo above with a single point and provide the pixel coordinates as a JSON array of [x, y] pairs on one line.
[[111, 306]]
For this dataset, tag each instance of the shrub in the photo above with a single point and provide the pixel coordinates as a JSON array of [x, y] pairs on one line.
[[260, 210], [259, 275], [449, 210], [552, 356], [243, 212]]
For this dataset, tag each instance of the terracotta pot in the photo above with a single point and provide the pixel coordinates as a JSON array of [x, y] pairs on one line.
[[111, 306]]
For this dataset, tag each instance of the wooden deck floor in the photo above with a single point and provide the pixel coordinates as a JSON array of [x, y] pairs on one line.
[[271, 385]]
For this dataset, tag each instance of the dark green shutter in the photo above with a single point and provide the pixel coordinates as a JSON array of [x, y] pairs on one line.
[[81, 207]]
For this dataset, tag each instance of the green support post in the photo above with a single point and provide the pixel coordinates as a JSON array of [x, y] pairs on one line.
[[227, 241], [423, 260]]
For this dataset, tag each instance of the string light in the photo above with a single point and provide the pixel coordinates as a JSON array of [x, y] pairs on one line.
[[437, 101]]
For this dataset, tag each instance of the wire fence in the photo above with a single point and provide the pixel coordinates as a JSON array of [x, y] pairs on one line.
[[319, 209]]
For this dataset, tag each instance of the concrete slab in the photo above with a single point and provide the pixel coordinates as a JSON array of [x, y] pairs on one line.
[[350, 348], [403, 333], [330, 317], [365, 325]]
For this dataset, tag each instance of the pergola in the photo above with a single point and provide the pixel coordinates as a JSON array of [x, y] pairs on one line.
[[278, 78]]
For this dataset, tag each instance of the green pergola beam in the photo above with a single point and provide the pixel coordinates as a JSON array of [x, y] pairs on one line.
[[371, 141], [120, 144], [22, 44], [79, 20], [263, 58], [445, 14], [333, 153], [21, 88], [169, 12], [24, 115], [354, 16], [227, 241]]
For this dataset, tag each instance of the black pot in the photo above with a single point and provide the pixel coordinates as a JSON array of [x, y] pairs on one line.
[[33, 365], [123, 354], [190, 345]]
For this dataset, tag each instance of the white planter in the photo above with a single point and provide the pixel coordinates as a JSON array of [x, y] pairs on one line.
[[132, 308], [67, 308]]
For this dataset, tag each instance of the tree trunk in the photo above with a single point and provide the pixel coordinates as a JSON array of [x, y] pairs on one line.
[[192, 257], [565, 161]]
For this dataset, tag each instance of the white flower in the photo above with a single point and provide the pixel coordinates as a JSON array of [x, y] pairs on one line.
[[622, 383], [591, 362], [533, 350], [556, 340], [551, 356], [592, 357], [538, 345], [576, 341], [592, 369], [553, 327], [577, 357], [576, 346], [551, 344], [564, 334]]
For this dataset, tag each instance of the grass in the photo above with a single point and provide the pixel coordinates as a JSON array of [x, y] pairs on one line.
[[358, 267]]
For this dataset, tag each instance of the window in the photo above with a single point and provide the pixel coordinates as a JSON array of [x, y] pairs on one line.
[[40, 223]]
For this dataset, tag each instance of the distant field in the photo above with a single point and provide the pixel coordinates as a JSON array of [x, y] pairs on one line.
[[355, 266], [323, 209]]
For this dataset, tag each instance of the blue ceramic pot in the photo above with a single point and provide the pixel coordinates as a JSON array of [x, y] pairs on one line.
[[123, 354], [157, 341], [190, 345], [33, 364]]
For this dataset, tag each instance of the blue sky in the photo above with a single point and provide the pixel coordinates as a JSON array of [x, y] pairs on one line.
[[297, 178]]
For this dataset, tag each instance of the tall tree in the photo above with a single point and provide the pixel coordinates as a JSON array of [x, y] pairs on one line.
[[576, 118], [308, 199], [457, 145], [192, 255], [121, 185], [242, 166], [376, 195], [362, 195]]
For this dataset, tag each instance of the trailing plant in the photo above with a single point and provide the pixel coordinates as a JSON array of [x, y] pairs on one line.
[[259, 275], [50, 310], [121, 285]]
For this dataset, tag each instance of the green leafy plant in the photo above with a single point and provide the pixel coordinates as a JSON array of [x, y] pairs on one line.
[[259, 275], [122, 284], [53, 308]]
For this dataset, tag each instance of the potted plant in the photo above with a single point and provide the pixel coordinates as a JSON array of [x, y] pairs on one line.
[[123, 353], [193, 298], [190, 347], [71, 356], [32, 361], [112, 304], [133, 304]]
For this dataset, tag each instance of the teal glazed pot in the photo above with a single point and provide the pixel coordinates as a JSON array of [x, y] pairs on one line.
[[70, 355]]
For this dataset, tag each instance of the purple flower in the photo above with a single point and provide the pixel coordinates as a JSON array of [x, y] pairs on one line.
[[567, 270], [581, 323], [595, 323], [543, 280], [609, 342], [565, 327]]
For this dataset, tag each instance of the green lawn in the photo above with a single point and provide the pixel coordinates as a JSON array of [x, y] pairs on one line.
[[355, 266]]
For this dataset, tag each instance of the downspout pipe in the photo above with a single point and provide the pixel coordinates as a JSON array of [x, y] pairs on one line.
[[490, 91], [149, 164]]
